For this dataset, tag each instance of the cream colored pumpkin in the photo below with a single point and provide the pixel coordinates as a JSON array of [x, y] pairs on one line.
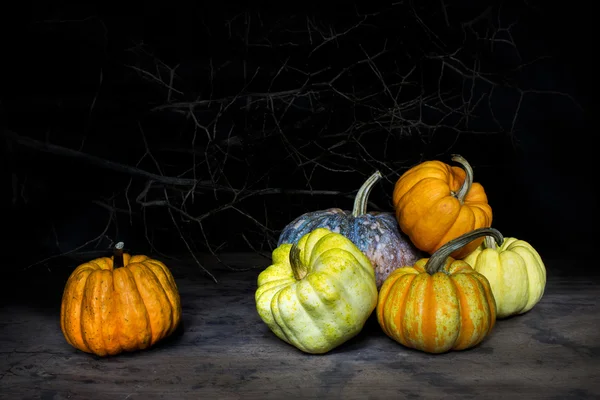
[[515, 271], [318, 293]]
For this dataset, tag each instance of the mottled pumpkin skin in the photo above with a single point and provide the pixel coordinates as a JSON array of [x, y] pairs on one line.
[[453, 309], [326, 307], [376, 234], [107, 311]]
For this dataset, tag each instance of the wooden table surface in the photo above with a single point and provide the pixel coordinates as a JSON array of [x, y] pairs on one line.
[[224, 351]]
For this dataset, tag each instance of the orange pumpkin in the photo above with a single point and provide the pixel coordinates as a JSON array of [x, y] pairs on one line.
[[439, 304], [121, 303], [436, 202]]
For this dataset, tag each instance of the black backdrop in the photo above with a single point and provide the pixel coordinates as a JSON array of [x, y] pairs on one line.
[[113, 113]]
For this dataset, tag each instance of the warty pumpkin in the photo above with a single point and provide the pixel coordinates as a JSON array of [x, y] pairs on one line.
[[436, 202], [376, 234], [120, 303], [318, 293], [439, 304], [515, 271]]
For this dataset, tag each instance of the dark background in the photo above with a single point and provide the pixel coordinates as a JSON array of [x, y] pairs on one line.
[[274, 112]]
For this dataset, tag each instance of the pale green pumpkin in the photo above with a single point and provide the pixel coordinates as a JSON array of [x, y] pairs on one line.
[[318, 293], [515, 271]]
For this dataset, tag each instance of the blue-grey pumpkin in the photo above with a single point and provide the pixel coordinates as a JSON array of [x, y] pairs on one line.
[[376, 234]]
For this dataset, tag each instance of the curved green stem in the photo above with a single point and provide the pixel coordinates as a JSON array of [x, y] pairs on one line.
[[118, 255], [466, 186], [438, 259], [362, 197], [298, 268]]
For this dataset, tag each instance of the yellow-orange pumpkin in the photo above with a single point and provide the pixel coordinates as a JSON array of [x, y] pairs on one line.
[[120, 303], [439, 304], [436, 202]]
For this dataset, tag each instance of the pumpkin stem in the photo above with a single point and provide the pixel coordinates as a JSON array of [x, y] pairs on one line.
[[362, 197], [298, 268], [490, 243], [438, 259], [118, 255], [466, 186]]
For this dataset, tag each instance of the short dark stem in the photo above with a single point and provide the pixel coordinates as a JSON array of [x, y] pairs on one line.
[[438, 259], [298, 268], [118, 255], [466, 186], [362, 197], [490, 243]]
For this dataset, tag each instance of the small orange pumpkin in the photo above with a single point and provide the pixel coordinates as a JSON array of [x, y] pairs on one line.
[[439, 304], [436, 202], [117, 304]]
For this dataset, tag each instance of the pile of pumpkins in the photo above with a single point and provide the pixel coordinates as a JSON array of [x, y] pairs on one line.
[[435, 272]]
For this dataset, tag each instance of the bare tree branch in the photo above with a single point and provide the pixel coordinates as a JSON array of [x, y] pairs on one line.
[[289, 113]]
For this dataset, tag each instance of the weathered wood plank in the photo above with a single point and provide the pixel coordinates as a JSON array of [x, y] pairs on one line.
[[224, 351]]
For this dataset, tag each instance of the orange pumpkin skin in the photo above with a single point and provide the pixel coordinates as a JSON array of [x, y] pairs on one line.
[[430, 211], [106, 310], [453, 309]]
